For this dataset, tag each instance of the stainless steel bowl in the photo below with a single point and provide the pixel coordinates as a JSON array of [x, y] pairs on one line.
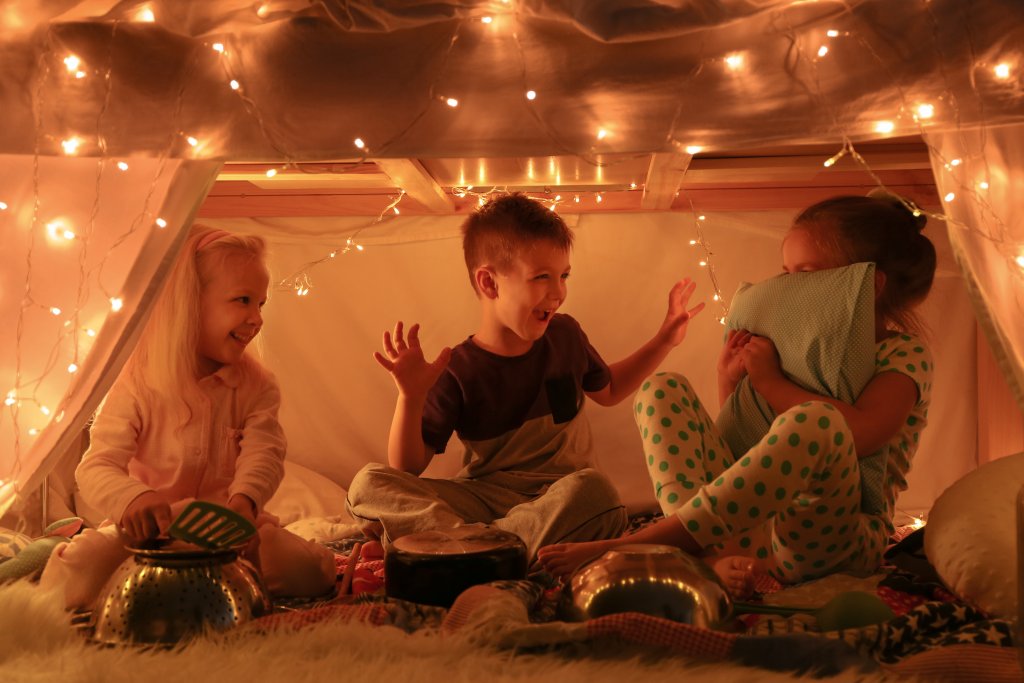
[[659, 580], [163, 597]]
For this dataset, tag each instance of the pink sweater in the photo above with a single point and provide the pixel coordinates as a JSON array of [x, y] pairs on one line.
[[233, 444]]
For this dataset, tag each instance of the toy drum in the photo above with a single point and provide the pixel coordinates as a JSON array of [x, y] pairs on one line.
[[434, 567]]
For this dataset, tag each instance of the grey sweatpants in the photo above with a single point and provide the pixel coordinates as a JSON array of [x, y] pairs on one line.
[[581, 506]]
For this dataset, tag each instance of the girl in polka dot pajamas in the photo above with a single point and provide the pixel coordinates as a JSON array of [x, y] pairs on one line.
[[790, 506]]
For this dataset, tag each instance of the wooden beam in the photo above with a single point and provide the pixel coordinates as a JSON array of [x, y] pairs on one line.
[[410, 175], [663, 178]]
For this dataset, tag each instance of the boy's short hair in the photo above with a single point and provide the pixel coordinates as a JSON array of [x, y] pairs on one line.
[[496, 232]]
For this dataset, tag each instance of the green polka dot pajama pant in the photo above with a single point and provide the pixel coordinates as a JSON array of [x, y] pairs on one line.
[[792, 501]]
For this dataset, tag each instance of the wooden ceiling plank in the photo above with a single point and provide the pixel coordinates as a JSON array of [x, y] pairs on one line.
[[663, 178], [410, 175]]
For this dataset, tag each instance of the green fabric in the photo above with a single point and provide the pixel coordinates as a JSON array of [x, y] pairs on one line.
[[822, 324]]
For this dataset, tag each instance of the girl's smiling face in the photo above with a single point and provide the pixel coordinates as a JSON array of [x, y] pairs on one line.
[[230, 312]]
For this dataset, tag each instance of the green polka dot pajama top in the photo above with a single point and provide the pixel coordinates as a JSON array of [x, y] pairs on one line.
[[793, 500]]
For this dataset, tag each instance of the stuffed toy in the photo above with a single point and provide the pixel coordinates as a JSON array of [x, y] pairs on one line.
[[22, 557]]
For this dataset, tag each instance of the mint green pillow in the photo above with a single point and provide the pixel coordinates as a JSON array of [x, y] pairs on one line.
[[823, 325]]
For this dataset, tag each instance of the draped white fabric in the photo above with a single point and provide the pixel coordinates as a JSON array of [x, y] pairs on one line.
[[151, 89], [983, 194]]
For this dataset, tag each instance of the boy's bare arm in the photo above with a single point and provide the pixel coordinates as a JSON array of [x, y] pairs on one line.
[[406, 448], [414, 377], [628, 373]]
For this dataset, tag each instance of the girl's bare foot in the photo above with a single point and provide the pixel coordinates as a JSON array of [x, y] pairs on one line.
[[736, 573], [562, 559]]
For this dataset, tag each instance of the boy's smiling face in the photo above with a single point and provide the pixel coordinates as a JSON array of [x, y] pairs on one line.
[[529, 292]]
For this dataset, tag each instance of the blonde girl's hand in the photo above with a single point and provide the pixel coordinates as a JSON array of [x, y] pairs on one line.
[[146, 517], [673, 330], [761, 360], [730, 362], [404, 360]]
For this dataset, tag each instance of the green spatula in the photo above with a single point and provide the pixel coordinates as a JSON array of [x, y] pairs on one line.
[[211, 526]]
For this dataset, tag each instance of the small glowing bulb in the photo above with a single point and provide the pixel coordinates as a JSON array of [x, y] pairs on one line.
[[333, 254], [954, 162], [395, 209], [734, 61], [235, 85], [599, 199], [70, 145], [917, 523], [1002, 70], [558, 197], [358, 142], [79, 74], [44, 410], [693, 242], [1020, 261], [885, 126], [3, 206], [823, 50], [116, 304], [262, 11], [832, 33], [715, 297], [701, 217], [33, 432], [68, 235], [55, 311], [487, 20], [602, 134], [983, 185], [10, 400], [359, 247], [72, 63], [452, 102], [160, 223], [576, 199], [218, 47], [90, 332], [531, 94], [192, 141], [122, 166], [950, 196], [271, 172], [702, 263], [72, 368], [632, 186], [925, 111], [693, 149], [146, 15]]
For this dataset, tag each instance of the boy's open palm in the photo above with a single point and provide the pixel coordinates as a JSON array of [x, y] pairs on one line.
[[404, 360], [678, 316]]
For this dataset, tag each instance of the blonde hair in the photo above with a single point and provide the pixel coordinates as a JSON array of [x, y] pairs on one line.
[[164, 365]]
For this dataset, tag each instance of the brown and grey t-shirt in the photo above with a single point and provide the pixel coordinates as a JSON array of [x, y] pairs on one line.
[[520, 418]]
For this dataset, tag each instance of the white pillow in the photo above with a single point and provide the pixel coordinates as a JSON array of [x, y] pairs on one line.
[[971, 538], [304, 493]]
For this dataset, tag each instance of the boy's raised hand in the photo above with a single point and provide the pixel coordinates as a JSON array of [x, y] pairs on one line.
[[673, 330], [404, 360]]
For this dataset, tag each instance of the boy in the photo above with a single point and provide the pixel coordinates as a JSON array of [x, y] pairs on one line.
[[513, 392]]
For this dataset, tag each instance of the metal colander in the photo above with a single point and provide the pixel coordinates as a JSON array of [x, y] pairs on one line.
[[163, 597]]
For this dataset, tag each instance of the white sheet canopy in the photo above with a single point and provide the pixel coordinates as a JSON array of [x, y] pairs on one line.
[[116, 116]]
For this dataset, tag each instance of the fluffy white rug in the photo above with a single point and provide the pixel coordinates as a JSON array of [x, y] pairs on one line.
[[38, 644]]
